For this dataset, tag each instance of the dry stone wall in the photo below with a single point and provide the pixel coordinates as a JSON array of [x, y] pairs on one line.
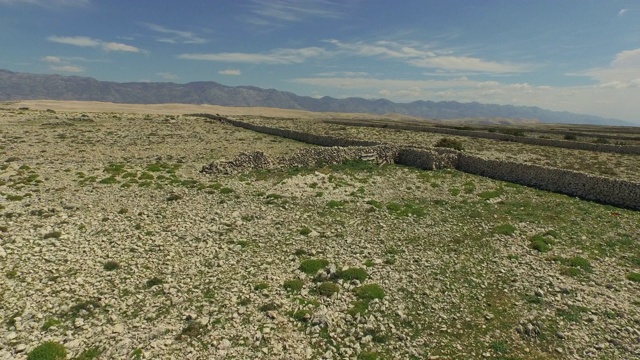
[[615, 192], [576, 145], [311, 157]]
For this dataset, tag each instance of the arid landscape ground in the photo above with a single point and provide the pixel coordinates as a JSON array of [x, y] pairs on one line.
[[113, 245]]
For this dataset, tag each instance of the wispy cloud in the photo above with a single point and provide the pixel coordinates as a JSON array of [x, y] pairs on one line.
[[61, 64], [52, 59], [622, 12], [46, 3], [427, 57], [84, 41], [235, 72], [175, 36], [168, 76], [622, 72], [275, 57], [67, 68], [277, 12]]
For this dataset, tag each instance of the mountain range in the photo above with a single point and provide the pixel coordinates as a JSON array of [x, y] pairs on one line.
[[25, 86]]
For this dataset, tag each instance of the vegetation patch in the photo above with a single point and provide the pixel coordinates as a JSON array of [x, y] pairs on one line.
[[359, 274], [49, 350], [369, 292], [328, 288], [293, 286], [450, 143], [311, 266], [541, 243], [504, 229]]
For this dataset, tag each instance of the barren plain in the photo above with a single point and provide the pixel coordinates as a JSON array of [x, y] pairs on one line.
[[114, 245]]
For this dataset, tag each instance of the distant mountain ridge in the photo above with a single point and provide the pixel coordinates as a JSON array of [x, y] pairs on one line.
[[26, 86]]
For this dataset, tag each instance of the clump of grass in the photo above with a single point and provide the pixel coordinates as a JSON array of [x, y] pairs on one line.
[[369, 292], [260, 286], [359, 274], [109, 180], [311, 266], [301, 315], [407, 209], [89, 354], [499, 346], [226, 190], [52, 235], [300, 252], [571, 137], [49, 350], [359, 307], [335, 204], [49, 323], [491, 194], [293, 286], [123, 211], [541, 243], [328, 288], [581, 263], [304, 231], [504, 229], [368, 355], [270, 306], [450, 143], [154, 281], [633, 276], [111, 265]]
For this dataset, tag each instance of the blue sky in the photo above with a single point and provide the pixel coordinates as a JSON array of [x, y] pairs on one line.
[[574, 55]]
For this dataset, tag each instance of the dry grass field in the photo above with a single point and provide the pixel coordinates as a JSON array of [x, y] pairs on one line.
[[114, 246]]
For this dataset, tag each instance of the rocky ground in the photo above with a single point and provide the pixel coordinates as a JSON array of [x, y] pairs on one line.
[[113, 245]]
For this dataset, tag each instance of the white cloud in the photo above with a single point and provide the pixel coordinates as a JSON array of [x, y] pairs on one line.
[[51, 59], [623, 71], [275, 57], [67, 68], [175, 36], [277, 12], [622, 12], [112, 46], [428, 58], [75, 40], [84, 41], [168, 76], [230, 72], [46, 3]]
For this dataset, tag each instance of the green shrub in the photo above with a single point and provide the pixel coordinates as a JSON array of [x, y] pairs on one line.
[[571, 137], [304, 231], [541, 243], [111, 265], [580, 262], [504, 229], [633, 276], [294, 285], [359, 274], [49, 350], [311, 266], [52, 235], [154, 281], [369, 292], [450, 143], [226, 190], [328, 288], [260, 286]]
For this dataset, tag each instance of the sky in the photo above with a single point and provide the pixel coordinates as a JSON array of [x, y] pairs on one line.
[[570, 55]]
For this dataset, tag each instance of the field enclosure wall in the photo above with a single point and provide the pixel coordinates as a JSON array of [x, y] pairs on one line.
[[605, 190], [576, 145]]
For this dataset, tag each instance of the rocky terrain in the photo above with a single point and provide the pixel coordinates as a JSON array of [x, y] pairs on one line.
[[114, 245]]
